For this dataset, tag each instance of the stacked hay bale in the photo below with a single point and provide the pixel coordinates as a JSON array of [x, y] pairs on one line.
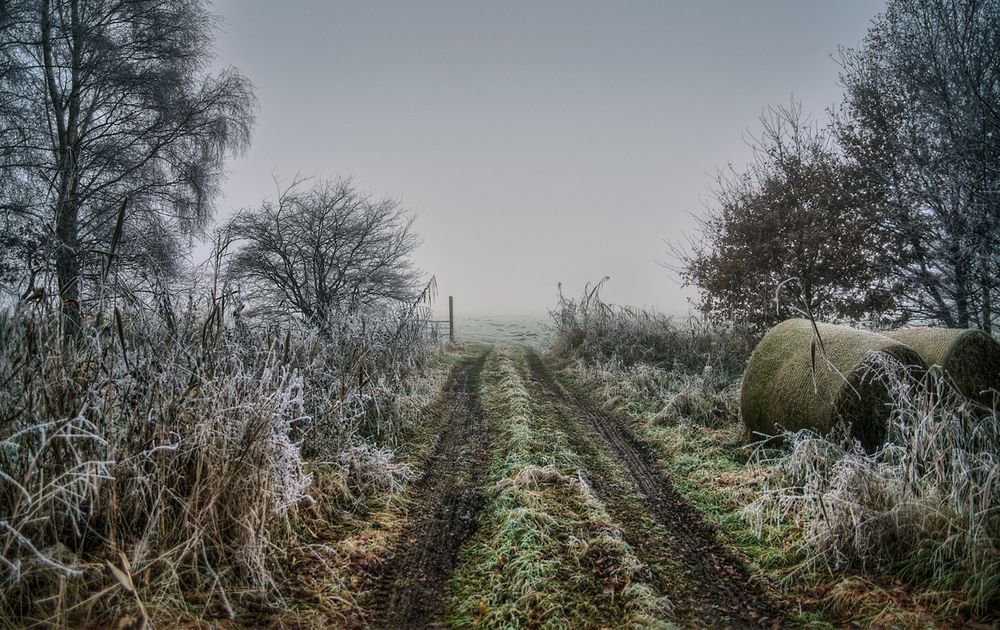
[[779, 388], [970, 359]]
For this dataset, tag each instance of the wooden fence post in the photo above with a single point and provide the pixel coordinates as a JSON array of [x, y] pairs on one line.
[[451, 318]]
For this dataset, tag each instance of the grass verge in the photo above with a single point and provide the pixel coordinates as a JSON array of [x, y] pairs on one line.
[[547, 552], [705, 454], [338, 553]]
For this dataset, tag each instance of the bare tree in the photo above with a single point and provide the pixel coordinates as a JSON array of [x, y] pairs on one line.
[[921, 121], [324, 251], [103, 101]]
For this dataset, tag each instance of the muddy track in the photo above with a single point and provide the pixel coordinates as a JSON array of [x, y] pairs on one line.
[[446, 501], [721, 592]]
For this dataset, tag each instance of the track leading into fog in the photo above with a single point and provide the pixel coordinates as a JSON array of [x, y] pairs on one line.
[[714, 589], [446, 501], [706, 585]]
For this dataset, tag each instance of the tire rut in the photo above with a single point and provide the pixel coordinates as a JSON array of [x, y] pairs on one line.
[[721, 589], [446, 502]]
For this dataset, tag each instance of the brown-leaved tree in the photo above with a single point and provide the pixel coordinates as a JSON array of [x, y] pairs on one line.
[[792, 231]]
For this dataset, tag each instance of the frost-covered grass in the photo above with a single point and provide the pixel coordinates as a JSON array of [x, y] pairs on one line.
[[925, 506], [547, 553], [664, 396], [904, 536], [168, 464], [599, 332]]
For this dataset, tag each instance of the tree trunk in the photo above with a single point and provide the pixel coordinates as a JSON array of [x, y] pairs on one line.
[[961, 278], [66, 110], [68, 261], [984, 278]]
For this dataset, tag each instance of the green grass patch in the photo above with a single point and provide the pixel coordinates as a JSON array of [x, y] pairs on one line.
[[547, 553]]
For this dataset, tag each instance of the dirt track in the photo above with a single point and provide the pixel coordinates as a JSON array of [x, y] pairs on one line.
[[707, 585], [716, 589], [446, 501]]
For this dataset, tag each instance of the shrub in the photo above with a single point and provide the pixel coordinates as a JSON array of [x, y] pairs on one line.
[[597, 331]]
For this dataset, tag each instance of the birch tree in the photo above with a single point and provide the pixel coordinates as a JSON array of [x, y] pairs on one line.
[[113, 131]]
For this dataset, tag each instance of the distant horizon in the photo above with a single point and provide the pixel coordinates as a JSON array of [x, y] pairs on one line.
[[440, 310]]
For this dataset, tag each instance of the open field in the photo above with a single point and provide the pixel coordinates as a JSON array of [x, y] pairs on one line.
[[527, 330]]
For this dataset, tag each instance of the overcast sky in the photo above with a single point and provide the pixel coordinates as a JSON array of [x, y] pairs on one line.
[[537, 142]]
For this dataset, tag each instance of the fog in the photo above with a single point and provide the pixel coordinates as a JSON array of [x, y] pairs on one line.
[[537, 143]]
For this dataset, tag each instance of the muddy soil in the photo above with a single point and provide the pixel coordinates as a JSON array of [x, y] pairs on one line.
[[446, 501], [717, 589]]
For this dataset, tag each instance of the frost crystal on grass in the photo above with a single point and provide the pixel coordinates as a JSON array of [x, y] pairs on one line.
[[188, 444], [923, 504]]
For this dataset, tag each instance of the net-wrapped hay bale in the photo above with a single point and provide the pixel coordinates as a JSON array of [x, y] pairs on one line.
[[969, 358], [779, 392]]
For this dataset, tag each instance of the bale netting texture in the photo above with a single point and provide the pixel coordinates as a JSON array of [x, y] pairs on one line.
[[779, 391], [969, 358]]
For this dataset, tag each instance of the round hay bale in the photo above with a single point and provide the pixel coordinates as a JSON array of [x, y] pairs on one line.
[[969, 358], [779, 392]]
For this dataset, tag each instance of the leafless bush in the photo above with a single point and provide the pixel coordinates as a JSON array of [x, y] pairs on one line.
[[924, 505], [320, 253], [598, 331]]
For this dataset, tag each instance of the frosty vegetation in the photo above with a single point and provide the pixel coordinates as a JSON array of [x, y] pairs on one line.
[[178, 446], [163, 429], [887, 212], [922, 507], [599, 331]]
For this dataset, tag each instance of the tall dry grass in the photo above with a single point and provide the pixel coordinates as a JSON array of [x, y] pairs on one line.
[[924, 506], [596, 331], [651, 366], [163, 461]]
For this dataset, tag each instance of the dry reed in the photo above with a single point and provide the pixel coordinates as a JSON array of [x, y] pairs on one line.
[[161, 463]]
